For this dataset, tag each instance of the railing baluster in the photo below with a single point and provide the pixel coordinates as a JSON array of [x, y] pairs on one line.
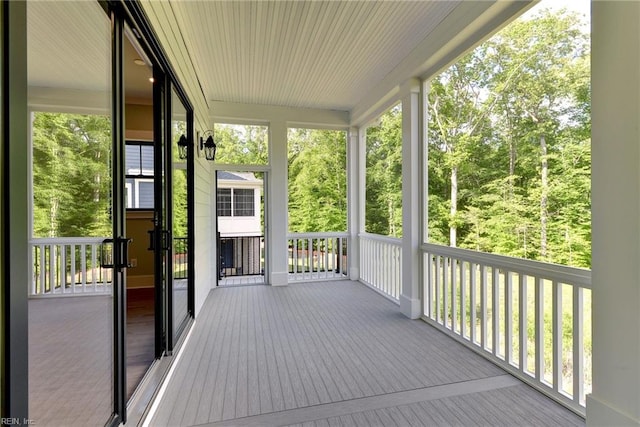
[[495, 310], [309, 257], [52, 268], [83, 265], [454, 308], [63, 268], [557, 335], [578, 345], [472, 287], [539, 328], [445, 290], [483, 306], [326, 257], [296, 248], [437, 280], [94, 267], [463, 299], [508, 317], [43, 269], [73, 268], [523, 336]]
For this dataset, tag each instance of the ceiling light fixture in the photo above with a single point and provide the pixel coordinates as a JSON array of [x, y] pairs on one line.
[[139, 61]]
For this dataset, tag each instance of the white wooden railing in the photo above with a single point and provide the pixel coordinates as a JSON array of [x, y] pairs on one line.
[[317, 256], [381, 263], [531, 318], [68, 266]]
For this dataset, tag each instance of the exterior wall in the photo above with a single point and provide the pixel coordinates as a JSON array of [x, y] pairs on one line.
[[231, 226], [164, 22], [241, 225]]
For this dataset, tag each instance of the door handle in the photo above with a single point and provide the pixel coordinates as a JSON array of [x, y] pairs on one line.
[[165, 239], [152, 240], [107, 259]]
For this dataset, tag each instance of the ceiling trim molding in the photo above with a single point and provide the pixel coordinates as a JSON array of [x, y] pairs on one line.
[[257, 113]]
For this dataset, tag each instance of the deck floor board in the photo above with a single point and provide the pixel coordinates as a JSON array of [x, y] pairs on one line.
[[336, 354]]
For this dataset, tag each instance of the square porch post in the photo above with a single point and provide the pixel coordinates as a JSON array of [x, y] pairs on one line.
[[355, 199], [411, 229], [615, 142], [277, 221]]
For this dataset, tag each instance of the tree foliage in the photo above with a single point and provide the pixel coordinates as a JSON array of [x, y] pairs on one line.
[[242, 144], [509, 144], [317, 180], [71, 175], [383, 207]]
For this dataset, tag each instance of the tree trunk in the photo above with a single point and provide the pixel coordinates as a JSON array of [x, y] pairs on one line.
[[544, 196], [392, 227], [454, 207], [512, 165]]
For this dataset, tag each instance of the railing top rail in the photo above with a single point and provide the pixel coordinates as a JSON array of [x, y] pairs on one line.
[[65, 240], [317, 235], [379, 238], [561, 273]]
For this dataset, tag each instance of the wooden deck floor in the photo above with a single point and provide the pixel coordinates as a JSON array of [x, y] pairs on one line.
[[335, 353]]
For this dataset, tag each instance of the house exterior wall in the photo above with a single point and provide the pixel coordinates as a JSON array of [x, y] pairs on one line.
[[229, 226], [162, 18]]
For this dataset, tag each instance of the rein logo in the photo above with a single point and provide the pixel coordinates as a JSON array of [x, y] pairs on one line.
[[16, 421]]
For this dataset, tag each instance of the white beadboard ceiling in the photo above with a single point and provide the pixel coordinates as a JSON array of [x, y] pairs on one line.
[[304, 54], [333, 55]]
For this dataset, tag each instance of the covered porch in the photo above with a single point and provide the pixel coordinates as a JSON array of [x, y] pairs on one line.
[[378, 330]]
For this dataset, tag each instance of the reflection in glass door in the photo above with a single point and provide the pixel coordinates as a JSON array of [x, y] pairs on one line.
[[179, 306], [71, 295]]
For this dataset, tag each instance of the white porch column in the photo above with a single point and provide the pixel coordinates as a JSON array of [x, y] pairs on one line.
[[411, 229], [355, 190], [616, 214], [277, 224]]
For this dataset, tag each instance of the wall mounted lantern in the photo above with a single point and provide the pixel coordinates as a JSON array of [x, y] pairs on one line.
[[183, 146], [208, 145]]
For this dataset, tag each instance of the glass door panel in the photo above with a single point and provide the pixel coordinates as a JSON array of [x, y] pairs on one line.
[[180, 259], [139, 173], [71, 295]]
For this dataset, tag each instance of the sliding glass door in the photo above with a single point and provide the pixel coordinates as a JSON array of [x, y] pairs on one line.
[[73, 297], [90, 64], [179, 296]]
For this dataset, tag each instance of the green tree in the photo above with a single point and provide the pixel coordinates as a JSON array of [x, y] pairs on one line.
[[383, 209], [71, 175], [242, 144], [509, 128], [317, 180]]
